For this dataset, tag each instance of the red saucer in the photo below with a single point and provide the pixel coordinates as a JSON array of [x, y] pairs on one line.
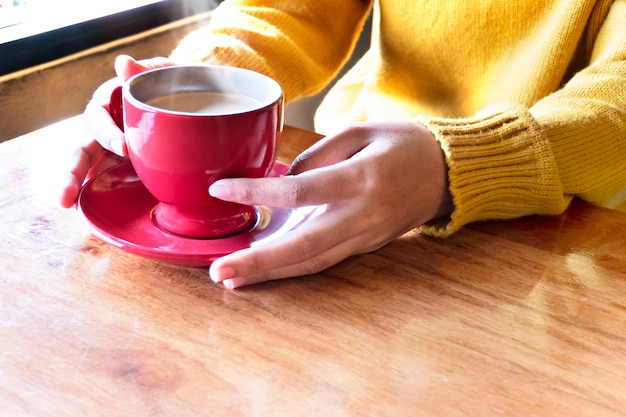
[[117, 209]]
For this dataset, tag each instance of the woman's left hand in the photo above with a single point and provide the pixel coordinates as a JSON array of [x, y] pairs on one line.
[[377, 180]]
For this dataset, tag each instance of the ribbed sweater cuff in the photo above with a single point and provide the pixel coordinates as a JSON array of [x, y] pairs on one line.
[[500, 167]]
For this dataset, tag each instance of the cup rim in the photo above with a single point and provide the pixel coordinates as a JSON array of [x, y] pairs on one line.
[[275, 96]]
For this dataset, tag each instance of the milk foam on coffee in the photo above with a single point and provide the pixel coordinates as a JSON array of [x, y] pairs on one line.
[[205, 102]]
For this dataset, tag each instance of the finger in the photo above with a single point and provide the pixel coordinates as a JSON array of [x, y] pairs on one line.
[[328, 151], [315, 187], [304, 251], [98, 121], [84, 168], [100, 124], [307, 267], [232, 272], [80, 163]]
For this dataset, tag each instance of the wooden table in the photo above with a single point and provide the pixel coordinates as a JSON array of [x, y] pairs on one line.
[[515, 318]]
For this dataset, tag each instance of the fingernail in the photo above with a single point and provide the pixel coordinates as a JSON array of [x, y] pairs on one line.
[[220, 274], [218, 190], [233, 283]]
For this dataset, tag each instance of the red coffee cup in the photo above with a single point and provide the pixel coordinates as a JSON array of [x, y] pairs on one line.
[[188, 126]]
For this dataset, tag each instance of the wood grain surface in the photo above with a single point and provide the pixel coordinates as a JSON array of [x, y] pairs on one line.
[[510, 318]]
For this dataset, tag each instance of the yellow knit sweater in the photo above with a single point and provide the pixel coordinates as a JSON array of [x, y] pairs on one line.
[[527, 98]]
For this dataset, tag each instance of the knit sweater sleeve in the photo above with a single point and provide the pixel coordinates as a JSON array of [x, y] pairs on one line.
[[510, 161], [280, 38]]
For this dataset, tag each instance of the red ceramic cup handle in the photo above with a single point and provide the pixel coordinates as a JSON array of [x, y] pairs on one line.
[[115, 107]]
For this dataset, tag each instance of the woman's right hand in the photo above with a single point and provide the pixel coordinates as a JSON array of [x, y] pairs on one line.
[[90, 157], [98, 120]]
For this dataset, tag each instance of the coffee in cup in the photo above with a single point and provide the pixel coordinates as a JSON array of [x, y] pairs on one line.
[[205, 102]]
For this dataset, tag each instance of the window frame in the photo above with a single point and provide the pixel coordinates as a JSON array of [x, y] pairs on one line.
[[39, 48]]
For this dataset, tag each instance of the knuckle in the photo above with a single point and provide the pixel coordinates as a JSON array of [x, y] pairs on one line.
[[245, 194], [294, 193], [313, 261], [302, 158], [315, 265], [306, 248], [255, 262]]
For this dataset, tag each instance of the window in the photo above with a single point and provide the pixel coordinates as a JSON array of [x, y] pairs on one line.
[[36, 31]]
